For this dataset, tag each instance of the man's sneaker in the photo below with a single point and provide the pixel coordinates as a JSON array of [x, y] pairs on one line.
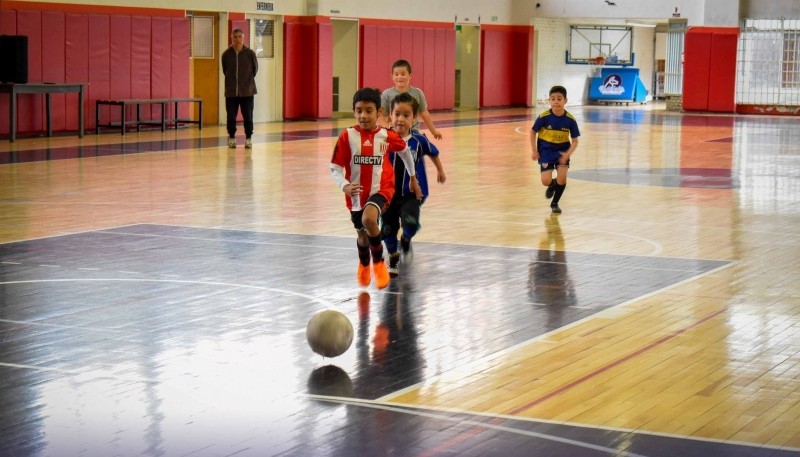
[[394, 268], [363, 275], [248, 144], [232, 143], [555, 209], [551, 189], [381, 274]]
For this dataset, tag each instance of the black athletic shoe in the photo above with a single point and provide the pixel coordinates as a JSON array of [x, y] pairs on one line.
[[551, 189], [555, 209], [405, 246], [394, 268]]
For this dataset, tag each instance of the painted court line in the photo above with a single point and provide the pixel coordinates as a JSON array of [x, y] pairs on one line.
[[477, 427]]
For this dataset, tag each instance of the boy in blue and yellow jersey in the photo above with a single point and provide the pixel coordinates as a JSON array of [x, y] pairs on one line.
[[554, 138]]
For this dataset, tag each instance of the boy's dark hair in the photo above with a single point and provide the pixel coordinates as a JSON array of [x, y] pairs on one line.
[[367, 94], [558, 90], [402, 63], [405, 97]]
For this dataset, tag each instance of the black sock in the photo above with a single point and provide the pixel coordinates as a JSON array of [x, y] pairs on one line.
[[405, 243], [559, 192], [363, 254], [376, 248]]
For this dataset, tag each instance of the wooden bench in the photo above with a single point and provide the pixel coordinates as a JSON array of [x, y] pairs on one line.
[[138, 122]]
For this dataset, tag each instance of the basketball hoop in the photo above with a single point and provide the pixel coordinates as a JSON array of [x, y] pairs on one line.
[[595, 64]]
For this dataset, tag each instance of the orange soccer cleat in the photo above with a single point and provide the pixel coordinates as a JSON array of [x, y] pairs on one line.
[[381, 274], [363, 275]]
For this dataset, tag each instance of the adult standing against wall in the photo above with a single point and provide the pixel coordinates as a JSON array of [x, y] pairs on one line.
[[239, 65]]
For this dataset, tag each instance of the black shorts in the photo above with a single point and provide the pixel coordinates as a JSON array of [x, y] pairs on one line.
[[402, 209], [377, 200], [550, 166]]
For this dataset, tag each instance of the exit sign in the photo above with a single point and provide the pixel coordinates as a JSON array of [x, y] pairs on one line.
[[263, 6]]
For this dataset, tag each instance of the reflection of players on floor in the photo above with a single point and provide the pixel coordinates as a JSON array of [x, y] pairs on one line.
[[387, 352], [388, 359], [549, 283]]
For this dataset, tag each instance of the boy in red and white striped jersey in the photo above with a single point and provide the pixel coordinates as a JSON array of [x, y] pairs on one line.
[[362, 170]]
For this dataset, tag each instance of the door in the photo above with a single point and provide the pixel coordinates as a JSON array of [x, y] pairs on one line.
[[345, 65], [467, 66], [267, 42], [205, 68]]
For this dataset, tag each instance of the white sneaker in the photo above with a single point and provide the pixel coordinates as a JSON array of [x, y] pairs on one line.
[[248, 144], [231, 143]]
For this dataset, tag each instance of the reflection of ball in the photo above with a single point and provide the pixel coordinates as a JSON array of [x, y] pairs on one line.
[[330, 380], [329, 333]]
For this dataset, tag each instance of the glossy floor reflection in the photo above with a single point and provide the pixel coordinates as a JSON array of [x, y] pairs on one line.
[[165, 336], [154, 292]]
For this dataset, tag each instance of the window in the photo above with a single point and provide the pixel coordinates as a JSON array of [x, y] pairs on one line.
[[265, 38], [768, 65], [790, 77], [202, 37]]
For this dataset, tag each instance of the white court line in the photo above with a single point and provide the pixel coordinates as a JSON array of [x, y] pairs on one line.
[[79, 373], [404, 408], [261, 243], [57, 235], [179, 281], [474, 423], [71, 327], [320, 301], [657, 248]]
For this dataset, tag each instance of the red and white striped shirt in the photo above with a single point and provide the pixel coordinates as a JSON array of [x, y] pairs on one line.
[[362, 157]]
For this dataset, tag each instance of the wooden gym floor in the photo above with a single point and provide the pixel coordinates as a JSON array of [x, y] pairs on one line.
[[154, 292]]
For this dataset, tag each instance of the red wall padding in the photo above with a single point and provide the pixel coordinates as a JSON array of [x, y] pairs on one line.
[[430, 51], [30, 109], [709, 69], [722, 77], [295, 80], [506, 53], [160, 61], [141, 36], [696, 68], [308, 69], [76, 66], [99, 61], [8, 22], [120, 65], [322, 95], [179, 64], [53, 31], [121, 68]]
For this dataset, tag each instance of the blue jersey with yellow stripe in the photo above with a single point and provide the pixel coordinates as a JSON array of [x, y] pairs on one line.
[[554, 134]]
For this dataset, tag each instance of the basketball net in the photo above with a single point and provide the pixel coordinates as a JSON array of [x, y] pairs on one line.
[[595, 65]]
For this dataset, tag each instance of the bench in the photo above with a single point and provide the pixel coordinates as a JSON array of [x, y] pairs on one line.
[[138, 122], [48, 88]]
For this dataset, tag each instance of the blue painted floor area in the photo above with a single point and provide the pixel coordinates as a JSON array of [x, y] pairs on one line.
[[170, 340]]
